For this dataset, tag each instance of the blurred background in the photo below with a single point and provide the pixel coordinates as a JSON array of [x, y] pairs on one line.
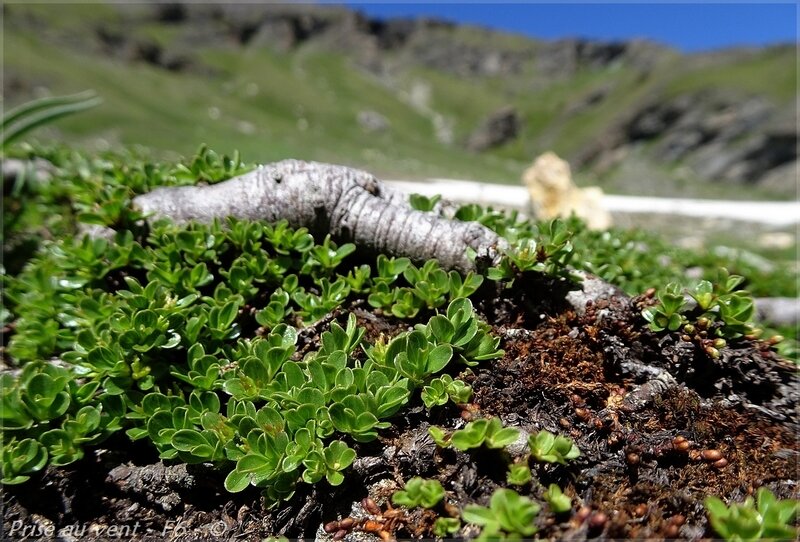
[[669, 100]]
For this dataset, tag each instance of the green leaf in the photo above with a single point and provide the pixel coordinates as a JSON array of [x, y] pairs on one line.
[[236, 481], [446, 526], [339, 456], [185, 440], [227, 315], [559, 503], [519, 474], [479, 515], [42, 389], [85, 393], [253, 463], [502, 438], [438, 358], [441, 328], [471, 436], [439, 436], [515, 514]]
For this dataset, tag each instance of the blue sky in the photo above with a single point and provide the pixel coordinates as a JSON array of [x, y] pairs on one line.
[[687, 27]]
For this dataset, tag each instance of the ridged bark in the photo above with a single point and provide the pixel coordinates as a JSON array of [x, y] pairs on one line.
[[351, 205]]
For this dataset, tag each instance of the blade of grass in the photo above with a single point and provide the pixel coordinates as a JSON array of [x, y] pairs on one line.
[[27, 123], [28, 108]]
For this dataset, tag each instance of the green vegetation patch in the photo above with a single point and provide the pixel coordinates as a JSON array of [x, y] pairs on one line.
[[193, 337]]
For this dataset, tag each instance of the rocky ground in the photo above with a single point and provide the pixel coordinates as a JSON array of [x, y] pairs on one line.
[[660, 425], [704, 119]]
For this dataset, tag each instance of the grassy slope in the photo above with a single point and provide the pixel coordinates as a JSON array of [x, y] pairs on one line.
[[304, 105]]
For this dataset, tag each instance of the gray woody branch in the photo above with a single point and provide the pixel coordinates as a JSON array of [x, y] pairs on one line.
[[354, 206], [349, 204]]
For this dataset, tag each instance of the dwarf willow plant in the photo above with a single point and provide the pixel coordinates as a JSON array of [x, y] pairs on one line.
[[509, 516], [634, 259], [555, 498], [488, 432], [720, 310], [519, 474], [425, 287], [276, 419], [549, 448], [419, 492], [548, 250], [766, 518], [444, 388], [157, 337], [185, 336]]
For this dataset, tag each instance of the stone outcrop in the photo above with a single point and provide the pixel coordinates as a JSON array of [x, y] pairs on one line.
[[497, 129], [563, 58], [372, 121], [720, 135], [714, 134], [554, 194]]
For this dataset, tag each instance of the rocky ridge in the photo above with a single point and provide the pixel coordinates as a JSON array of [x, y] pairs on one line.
[[718, 133]]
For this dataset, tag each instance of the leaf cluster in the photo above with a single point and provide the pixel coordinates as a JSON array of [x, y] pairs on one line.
[[548, 250], [421, 288], [550, 448], [555, 498], [485, 431], [509, 516], [246, 402], [444, 388], [48, 416], [419, 492], [766, 518], [728, 310]]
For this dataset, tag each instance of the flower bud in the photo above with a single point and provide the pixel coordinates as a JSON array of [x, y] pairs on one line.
[[711, 455], [712, 352]]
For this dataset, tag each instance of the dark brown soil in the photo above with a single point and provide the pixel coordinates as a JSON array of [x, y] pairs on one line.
[[660, 424]]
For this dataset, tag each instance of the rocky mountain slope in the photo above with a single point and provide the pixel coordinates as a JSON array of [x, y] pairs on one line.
[[413, 97]]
